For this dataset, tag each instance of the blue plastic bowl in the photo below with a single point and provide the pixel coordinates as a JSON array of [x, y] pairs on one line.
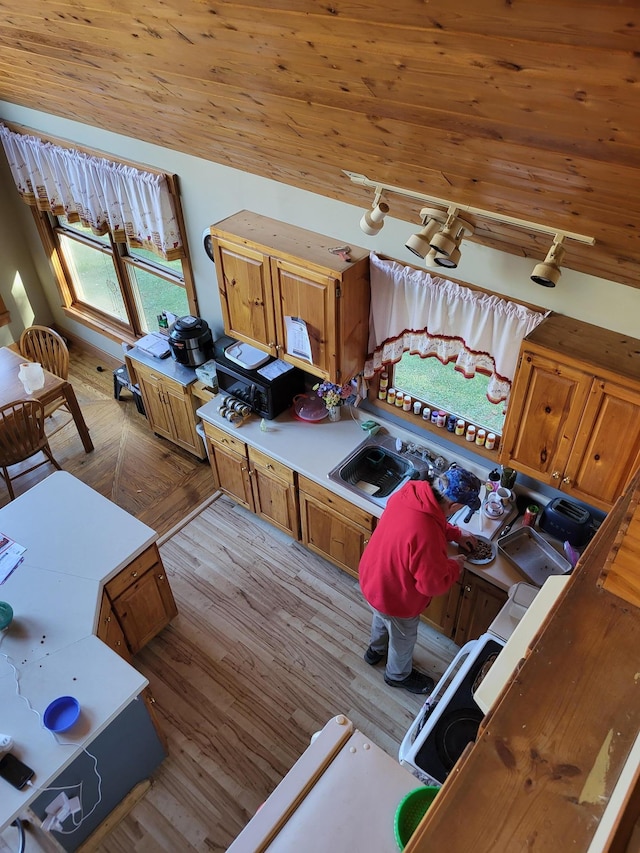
[[6, 615], [61, 714]]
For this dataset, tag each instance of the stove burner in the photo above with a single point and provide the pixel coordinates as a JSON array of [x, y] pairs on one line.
[[453, 731]]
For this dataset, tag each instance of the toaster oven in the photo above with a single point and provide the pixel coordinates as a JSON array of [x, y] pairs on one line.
[[268, 389]]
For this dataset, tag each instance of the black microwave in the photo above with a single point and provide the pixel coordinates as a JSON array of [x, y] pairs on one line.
[[265, 389]]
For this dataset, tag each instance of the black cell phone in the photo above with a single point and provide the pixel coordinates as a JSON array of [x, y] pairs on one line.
[[14, 771]]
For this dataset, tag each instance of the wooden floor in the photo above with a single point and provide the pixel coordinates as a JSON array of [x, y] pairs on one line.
[[266, 648]]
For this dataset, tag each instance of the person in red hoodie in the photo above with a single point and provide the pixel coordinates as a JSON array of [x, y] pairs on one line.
[[405, 564]]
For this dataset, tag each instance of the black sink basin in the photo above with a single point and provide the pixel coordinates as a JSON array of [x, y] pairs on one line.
[[378, 467], [376, 471]]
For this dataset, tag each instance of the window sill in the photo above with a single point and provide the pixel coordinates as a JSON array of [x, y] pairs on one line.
[[428, 427], [113, 331]]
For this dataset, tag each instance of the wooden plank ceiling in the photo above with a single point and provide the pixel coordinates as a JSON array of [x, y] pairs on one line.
[[529, 109]]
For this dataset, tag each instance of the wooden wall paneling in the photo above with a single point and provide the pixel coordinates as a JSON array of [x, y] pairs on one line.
[[539, 125]]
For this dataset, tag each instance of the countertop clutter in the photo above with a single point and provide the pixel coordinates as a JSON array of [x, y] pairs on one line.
[[313, 449], [76, 541]]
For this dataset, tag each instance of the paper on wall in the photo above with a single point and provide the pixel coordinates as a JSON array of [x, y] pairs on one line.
[[298, 342]]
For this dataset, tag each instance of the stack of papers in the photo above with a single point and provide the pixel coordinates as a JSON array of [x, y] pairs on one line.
[[11, 555]]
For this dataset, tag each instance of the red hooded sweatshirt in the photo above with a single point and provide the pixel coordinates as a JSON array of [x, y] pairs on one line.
[[405, 562]]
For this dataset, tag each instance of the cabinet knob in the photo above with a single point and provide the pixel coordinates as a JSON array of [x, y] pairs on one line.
[[107, 619], [566, 481], [160, 577], [134, 574], [270, 467], [118, 643], [556, 475], [467, 588]]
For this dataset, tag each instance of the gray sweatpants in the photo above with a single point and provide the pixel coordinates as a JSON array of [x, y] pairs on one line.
[[396, 638]]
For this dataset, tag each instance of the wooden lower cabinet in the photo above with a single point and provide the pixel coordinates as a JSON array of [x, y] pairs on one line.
[[467, 610], [254, 480], [333, 527], [136, 605], [169, 406]]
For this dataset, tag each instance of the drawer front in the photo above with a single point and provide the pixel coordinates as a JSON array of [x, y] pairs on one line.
[[132, 572], [219, 436], [278, 469], [353, 513]]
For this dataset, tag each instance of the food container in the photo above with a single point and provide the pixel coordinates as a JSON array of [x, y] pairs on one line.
[[532, 555]]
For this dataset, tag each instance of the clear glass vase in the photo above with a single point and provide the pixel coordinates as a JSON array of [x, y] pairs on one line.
[[334, 413]]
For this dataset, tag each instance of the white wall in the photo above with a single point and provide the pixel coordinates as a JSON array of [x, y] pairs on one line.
[[211, 192]]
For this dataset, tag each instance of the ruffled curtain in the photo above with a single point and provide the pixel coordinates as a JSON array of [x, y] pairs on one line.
[[412, 311], [136, 207]]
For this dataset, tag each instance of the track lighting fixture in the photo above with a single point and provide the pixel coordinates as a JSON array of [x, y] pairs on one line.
[[442, 247], [420, 243], [548, 272], [373, 220]]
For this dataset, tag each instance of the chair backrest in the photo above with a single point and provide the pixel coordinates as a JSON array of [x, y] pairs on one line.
[[39, 343], [21, 431]]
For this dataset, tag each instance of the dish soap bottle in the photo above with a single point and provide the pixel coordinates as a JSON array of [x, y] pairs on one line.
[[493, 482]]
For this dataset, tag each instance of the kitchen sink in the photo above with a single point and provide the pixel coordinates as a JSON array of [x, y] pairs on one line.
[[381, 464]]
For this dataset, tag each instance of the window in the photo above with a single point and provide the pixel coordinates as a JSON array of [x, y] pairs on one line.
[[126, 287], [442, 386]]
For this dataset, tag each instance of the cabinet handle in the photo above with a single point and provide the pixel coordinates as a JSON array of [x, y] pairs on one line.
[[566, 480], [467, 589], [556, 475], [134, 574], [118, 643], [107, 619], [270, 467], [160, 577]]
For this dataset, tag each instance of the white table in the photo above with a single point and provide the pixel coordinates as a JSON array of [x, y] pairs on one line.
[[76, 541]]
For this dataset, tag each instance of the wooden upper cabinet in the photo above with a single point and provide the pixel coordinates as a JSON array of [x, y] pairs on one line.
[[268, 271], [574, 415], [244, 282]]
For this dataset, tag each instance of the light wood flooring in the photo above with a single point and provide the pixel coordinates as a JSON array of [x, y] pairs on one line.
[[267, 646]]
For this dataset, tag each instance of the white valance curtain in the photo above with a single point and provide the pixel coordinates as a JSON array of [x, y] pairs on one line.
[[135, 206], [412, 311]]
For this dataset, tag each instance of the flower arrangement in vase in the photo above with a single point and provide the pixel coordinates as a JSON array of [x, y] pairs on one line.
[[333, 397]]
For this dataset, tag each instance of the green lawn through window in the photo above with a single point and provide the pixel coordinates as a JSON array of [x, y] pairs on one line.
[[441, 386]]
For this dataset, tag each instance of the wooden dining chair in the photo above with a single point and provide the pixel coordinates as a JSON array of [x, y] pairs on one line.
[[22, 435], [46, 346]]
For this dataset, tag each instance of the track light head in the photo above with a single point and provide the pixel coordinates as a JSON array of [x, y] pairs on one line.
[[450, 261], [373, 220], [419, 243], [453, 230], [548, 273]]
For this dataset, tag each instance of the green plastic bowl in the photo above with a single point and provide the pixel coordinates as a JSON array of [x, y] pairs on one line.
[[411, 809]]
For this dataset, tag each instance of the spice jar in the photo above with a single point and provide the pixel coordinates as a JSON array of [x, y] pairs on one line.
[[452, 420], [426, 414], [416, 407], [406, 403], [399, 399], [490, 442], [441, 419], [471, 433], [460, 425], [434, 416], [481, 435], [391, 396]]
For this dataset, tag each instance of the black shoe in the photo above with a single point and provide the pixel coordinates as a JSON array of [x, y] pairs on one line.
[[372, 657], [415, 682]]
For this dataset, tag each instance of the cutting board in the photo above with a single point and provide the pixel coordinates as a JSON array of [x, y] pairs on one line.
[[480, 524]]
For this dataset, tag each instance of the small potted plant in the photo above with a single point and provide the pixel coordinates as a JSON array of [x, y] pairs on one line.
[[333, 397]]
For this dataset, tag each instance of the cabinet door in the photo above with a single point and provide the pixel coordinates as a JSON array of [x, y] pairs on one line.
[[244, 281], [231, 473], [311, 296], [145, 607], [480, 603], [545, 408], [183, 420], [442, 612], [110, 631], [152, 395], [275, 495], [333, 527], [606, 452]]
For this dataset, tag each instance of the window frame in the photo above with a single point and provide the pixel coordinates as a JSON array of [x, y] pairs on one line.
[[79, 311]]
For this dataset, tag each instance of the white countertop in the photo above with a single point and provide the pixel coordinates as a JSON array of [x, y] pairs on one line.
[[76, 540], [166, 366], [314, 448]]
